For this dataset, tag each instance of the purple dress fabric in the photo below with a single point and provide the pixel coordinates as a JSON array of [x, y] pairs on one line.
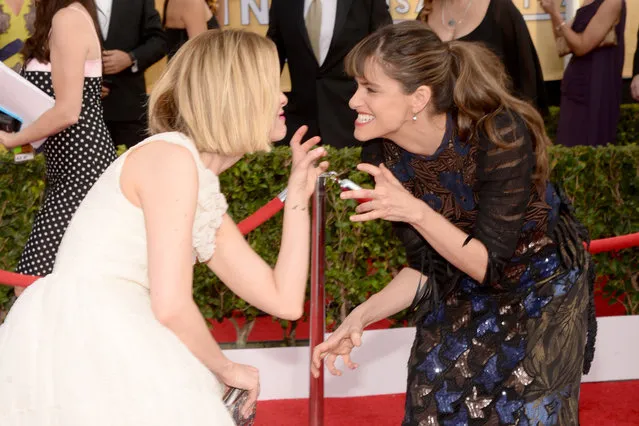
[[591, 88]]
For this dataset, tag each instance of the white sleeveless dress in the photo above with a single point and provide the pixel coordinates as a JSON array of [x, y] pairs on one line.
[[81, 347]]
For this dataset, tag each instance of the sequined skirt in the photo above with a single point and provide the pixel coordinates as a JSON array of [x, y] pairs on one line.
[[488, 356]]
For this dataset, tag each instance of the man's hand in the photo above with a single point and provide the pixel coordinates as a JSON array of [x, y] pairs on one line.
[[115, 61]]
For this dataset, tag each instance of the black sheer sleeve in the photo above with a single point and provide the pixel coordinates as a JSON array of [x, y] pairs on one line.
[[504, 178]]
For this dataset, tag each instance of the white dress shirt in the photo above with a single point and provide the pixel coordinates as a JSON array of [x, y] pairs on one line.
[[104, 15], [329, 10]]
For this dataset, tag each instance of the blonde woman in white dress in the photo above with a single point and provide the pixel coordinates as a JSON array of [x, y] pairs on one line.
[[113, 336]]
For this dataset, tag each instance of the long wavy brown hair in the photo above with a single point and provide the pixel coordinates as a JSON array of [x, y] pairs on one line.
[[37, 46], [464, 77]]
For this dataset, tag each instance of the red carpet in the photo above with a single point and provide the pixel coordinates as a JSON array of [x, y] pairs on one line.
[[605, 404]]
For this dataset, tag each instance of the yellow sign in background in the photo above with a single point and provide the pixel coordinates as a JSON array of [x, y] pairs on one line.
[[253, 15]]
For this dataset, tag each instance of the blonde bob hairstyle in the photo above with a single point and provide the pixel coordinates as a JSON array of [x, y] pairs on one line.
[[221, 90]]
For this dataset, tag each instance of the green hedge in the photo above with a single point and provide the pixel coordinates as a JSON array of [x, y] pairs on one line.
[[603, 182]]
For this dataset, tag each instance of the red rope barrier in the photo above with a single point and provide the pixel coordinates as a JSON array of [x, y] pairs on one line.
[[16, 280], [614, 243], [265, 212]]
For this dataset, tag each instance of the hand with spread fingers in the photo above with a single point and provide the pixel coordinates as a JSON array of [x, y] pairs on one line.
[[389, 200], [304, 173], [340, 343]]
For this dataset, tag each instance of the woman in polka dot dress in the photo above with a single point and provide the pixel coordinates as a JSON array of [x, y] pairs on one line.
[[63, 58]]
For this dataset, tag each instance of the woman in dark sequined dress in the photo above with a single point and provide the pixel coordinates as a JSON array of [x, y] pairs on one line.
[[499, 281]]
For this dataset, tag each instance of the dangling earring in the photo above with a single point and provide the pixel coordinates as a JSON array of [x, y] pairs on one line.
[[414, 117]]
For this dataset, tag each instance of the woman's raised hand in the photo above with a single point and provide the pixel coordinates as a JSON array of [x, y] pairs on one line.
[[304, 172]]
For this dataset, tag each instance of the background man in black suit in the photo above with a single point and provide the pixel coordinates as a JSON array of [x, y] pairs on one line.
[[314, 36], [133, 40]]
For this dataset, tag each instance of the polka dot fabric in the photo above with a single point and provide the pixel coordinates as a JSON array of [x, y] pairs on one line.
[[75, 158]]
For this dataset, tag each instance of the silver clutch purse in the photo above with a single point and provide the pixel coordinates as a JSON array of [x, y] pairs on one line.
[[234, 399]]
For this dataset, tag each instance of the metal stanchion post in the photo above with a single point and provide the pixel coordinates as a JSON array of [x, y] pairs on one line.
[[316, 400]]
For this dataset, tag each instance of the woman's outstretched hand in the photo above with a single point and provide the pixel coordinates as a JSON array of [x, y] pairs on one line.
[[340, 343], [389, 200], [304, 172]]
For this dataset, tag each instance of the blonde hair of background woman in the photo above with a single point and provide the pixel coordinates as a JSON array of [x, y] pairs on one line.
[[221, 89]]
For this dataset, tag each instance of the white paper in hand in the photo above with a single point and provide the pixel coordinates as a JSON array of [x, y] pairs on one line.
[[22, 99]]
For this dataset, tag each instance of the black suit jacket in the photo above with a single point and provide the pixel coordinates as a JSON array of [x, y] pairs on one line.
[[320, 94], [135, 27]]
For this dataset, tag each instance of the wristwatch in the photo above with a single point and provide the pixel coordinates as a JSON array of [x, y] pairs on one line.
[[134, 66]]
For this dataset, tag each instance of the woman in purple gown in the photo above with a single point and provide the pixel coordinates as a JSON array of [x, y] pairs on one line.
[[592, 83]]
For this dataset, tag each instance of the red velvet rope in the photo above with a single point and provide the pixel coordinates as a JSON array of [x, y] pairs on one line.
[[265, 212], [614, 243], [271, 208], [16, 280]]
